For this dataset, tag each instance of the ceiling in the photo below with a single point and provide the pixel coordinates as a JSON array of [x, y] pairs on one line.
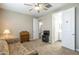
[[21, 8]]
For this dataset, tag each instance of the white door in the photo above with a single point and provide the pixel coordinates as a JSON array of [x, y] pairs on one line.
[[68, 28], [35, 28]]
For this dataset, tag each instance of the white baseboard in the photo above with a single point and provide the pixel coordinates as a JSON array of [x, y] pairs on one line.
[[77, 49]]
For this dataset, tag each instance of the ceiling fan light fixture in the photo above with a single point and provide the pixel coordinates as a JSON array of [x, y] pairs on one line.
[[37, 8]]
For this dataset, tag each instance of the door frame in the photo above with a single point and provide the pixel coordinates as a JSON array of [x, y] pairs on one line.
[[75, 29], [53, 26]]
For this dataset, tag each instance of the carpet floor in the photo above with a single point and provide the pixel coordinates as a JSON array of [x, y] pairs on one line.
[[48, 49]]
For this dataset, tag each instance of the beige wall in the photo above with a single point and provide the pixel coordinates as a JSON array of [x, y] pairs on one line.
[[16, 22]]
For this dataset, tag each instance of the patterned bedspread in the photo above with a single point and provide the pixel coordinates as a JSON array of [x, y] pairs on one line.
[[4, 48], [14, 47]]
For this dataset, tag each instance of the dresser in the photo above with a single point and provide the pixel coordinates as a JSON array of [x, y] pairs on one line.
[[24, 36]]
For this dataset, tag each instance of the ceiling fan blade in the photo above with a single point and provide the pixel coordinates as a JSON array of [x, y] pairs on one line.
[[27, 4], [47, 5], [45, 8], [30, 9], [38, 11], [35, 4], [38, 4]]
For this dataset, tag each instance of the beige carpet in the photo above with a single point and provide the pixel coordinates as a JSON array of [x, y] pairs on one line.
[[48, 49]]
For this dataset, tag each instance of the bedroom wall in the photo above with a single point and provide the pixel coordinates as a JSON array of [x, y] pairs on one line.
[[16, 22]]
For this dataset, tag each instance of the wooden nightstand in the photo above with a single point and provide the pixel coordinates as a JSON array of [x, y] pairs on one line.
[[24, 36]]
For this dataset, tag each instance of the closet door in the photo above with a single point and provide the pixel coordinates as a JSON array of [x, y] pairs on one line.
[[68, 29]]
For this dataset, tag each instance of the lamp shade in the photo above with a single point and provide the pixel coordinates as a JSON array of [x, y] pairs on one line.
[[6, 31]]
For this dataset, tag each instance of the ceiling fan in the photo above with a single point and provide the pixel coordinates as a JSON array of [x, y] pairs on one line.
[[39, 6]]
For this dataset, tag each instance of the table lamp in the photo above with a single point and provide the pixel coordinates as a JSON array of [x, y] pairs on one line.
[[6, 33]]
